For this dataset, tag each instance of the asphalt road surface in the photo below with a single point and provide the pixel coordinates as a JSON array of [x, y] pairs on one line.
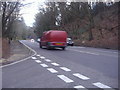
[[75, 67]]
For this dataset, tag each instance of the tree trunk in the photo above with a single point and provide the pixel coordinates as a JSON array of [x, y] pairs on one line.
[[5, 48]]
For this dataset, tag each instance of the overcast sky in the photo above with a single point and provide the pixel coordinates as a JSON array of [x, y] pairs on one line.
[[28, 12]]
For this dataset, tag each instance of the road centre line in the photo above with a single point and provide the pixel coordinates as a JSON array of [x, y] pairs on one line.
[[79, 86], [81, 76], [34, 58], [52, 70], [85, 52], [47, 60], [55, 64], [44, 65], [100, 85], [38, 61], [65, 79], [65, 69]]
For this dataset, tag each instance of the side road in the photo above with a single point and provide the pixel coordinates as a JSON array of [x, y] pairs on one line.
[[18, 51]]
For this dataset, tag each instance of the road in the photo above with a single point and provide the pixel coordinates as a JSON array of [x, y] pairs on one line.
[[76, 67]]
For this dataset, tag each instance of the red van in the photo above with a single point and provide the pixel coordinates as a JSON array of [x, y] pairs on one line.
[[53, 39]]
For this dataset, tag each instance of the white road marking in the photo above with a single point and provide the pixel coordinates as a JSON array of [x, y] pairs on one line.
[[66, 79], [44, 65], [37, 55], [79, 86], [52, 70], [85, 52], [34, 58], [78, 47], [38, 61], [81, 76], [65, 69], [55, 64], [47, 60], [100, 85], [42, 57]]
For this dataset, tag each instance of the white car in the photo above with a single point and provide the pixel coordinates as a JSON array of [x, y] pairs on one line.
[[32, 40], [70, 42]]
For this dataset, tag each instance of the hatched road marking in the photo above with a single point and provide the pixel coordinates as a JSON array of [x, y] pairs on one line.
[[52, 70], [55, 64], [66, 79], [100, 85], [65, 69], [44, 65], [38, 61], [81, 76]]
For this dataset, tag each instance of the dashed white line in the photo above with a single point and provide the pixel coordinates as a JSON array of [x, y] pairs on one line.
[[79, 86], [47, 60], [44, 65], [52, 70], [37, 55], [81, 76], [65, 79], [65, 69], [34, 58], [100, 85], [38, 61], [55, 64], [42, 57]]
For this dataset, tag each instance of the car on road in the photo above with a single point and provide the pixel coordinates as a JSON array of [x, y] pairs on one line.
[[70, 42], [54, 39], [38, 40]]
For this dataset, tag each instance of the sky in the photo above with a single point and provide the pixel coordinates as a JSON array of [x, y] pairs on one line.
[[28, 11]]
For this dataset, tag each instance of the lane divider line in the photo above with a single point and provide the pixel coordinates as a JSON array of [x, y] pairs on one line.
[[38, 55], [65, 69], [81, 76], [55, 64], [35, 53], [47, 60], [44, 65], [34, 58], [85, 52], [79, 86], [65, 79], [100, 85], [42, 57], [38, 61], [52, 70]]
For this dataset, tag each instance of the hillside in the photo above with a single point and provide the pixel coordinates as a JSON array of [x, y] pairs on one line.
[[105, 30]]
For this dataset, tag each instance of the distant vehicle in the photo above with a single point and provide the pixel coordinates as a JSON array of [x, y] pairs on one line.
[[32, 40], [38, 40], [70, 42], [54, 39]]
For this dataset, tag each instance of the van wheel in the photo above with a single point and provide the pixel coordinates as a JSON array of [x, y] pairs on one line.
[[48, 47], [40, 45], [63, 48]]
